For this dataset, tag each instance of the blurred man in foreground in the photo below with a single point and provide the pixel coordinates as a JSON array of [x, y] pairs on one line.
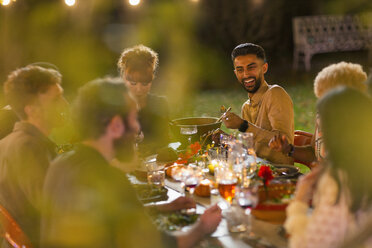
[[90, 203], [7, 120], [268, 110], [35, 95]]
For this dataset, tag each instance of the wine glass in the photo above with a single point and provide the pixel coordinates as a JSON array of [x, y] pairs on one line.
[[247, 197], [189, 130], [227, 180], [191, 177]]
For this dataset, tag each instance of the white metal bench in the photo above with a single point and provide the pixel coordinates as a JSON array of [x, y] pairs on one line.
[[323, 34]]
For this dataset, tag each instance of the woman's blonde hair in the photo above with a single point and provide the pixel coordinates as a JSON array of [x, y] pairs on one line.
[[138, 57], [340, 74]]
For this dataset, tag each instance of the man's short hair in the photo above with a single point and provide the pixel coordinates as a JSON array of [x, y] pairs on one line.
[[96, 104], [248, 48], [138, 58], [340, 74], [23, 86]]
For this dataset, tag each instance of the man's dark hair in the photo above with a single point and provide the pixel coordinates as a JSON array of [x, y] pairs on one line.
[[23, 86], [248, 48], [96, 104]]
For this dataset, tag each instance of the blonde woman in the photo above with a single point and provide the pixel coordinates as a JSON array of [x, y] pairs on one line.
[[342, 197], [340, 74]]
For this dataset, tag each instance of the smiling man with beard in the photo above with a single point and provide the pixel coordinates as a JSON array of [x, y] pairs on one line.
[[268, 110], [88, 202]]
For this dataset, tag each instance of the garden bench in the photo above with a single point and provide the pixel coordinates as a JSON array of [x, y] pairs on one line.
[[327, 33]]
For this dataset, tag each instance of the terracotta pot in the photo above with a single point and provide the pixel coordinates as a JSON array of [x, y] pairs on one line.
[[273, 212]]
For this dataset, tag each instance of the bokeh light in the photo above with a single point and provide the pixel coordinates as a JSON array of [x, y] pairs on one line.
[[5, 2], [134, 2], [70, 2]]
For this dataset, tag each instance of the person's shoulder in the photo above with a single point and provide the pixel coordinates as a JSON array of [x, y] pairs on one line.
[[277, 89], [277, 92], [7, 114], [22, 141], [245, 103]]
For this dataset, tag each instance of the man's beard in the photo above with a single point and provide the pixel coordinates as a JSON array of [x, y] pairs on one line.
[[124, 147], [257, 85]]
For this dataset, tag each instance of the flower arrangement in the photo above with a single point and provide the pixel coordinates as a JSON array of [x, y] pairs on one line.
[[191, 151], [266, 174]]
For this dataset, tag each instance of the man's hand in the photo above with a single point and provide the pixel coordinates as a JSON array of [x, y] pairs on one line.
[[232, 120], [207, 224], [210, 220], [178, 204], [280, 144]]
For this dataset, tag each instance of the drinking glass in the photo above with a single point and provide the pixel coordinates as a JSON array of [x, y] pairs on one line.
[[191, 177], [225, 140], [247, 197], [236, 158], [249, 157], [237, 220], [215, 153], [247, 140], [227, 181], [155, 174], [189, 130]]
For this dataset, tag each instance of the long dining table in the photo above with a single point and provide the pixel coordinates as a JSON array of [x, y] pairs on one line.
[[261, 234]]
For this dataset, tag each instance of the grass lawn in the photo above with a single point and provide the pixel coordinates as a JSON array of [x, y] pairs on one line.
[[208, 103]]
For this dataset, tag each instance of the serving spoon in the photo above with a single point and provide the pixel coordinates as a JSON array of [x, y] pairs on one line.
[[223, 115]]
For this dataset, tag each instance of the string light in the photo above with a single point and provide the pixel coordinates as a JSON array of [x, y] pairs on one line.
[[134, 2], [6, 2], [70, 2]]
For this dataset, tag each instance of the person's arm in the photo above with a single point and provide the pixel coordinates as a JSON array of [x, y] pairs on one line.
[[178, 204], [302, 153], [279, 108], [207, 224], [297, 211], [280, 115]]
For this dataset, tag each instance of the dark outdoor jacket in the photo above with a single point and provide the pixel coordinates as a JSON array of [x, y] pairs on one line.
[[7, 120], [154, 121], [89, 203], [25, 155]]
